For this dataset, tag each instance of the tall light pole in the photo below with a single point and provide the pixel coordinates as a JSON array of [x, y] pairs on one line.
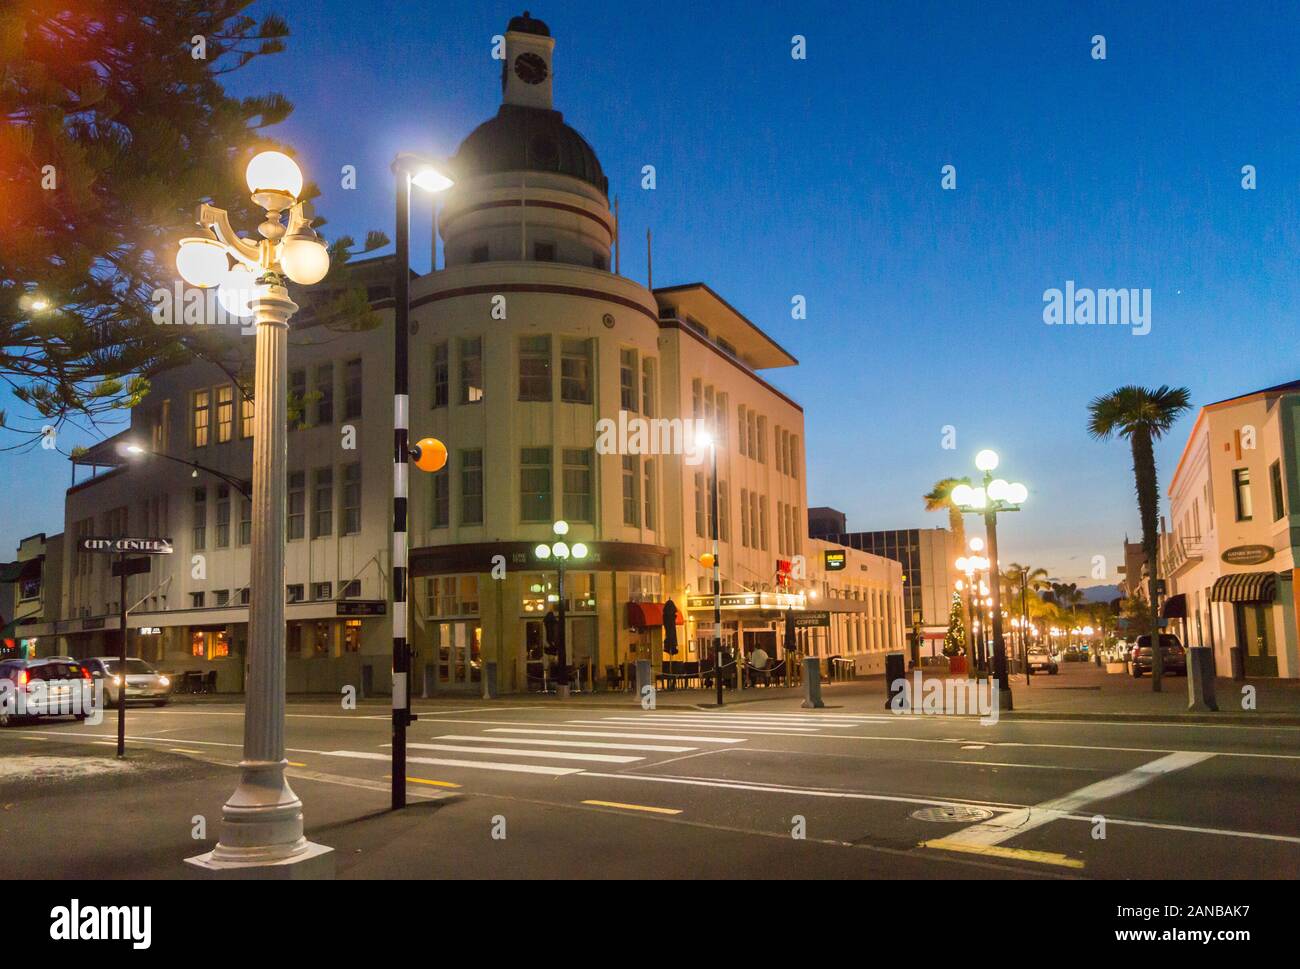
[[261, 823], [994, 496], [706, 438], [560, 552], [408, 169], [241, 485]]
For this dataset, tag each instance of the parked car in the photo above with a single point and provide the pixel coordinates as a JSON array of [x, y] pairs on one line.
[[1043, 660], [144, 684], [1173, 656], [53, 679]]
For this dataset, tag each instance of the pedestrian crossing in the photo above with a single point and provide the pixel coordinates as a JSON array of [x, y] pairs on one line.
[[623, 740]]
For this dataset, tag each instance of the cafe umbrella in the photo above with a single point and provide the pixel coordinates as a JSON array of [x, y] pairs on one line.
[[670, 629]]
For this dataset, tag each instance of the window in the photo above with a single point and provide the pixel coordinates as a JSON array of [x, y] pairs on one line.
[[245, 416], [322, 590], [752, 433], [297, 505], [196, 600], [627, 379], [225, 413], [479, 254], [575, 371], [740, 429], [200, 520], [440, 375], [325, 394], [243, 596], [199, 418], [1275, 480], [701, 499], [351, 523], [599, 262], [762, 522], [697, 397], [535, 484], [762, 440], [544, 251], [293, 593], [441, 501], [792, 461], [780, 534], [780, 449], [753, 519], [723, 421], [724, 513], [631, 490], [223, 516], [577, 485], [351, 390], [471, 370], [322, 522], [1241, 492], [245, 520], [535, 368], [471, 487], [452, 595], [351, 591], [222, 597], [650, 493], [744, 517], [297, 399], [648, 386]]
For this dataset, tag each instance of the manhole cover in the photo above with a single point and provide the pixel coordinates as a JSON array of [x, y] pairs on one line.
[[952, 815]]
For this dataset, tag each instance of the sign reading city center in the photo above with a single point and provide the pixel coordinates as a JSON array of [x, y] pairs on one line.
[[148, 546]]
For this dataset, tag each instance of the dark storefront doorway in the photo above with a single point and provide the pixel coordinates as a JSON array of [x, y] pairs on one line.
[[1255, 636]]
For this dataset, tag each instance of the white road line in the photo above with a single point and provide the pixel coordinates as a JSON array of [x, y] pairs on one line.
[[1013, 823], [661, 725], [471, 764], [615, 735], [515, 752], [732, 722], [659, 748]]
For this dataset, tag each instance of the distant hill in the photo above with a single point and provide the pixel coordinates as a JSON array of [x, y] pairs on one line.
[[1101, 593]]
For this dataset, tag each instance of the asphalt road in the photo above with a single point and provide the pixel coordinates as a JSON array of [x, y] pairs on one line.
[[755, 790]]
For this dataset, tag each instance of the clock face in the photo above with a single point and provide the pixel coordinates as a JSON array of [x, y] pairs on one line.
[[530, 68]]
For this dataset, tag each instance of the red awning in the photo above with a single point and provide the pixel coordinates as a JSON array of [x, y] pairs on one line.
[[648, 615]]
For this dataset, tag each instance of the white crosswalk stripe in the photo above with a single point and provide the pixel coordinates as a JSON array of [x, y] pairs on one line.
[[654, 748], [471, 764], [516, 752], [697, 725], [618, 734]]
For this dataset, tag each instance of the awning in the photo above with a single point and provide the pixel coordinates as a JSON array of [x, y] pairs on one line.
[[648, 615], [1245, 587], [1175, 607]]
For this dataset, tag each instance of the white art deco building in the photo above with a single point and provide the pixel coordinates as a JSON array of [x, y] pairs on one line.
[[520, 345]]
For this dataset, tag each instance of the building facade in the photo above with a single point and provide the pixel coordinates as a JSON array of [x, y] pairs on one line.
[[30, 593], [1228, 555], [562, 390]]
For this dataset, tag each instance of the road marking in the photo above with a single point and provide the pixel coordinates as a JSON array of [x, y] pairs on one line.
[[1013, 823], [625, 736], [425, 780], [27, 736], [985, 763], [294, 763], [972, 746], [515, 752], [1014, 854], [471, 764], [187, 750], [659, 725], [659, 748], [633, 807], [687, 720]]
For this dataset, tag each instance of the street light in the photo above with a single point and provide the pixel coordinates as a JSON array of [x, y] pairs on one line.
[[242, 485], [995, 495], [407, 168], [261, 823], [561, 552]]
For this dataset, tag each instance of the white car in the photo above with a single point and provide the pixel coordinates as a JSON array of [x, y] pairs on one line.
[[1043, 661], [144, 684]]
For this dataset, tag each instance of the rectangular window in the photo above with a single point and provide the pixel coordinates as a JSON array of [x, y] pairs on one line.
[[752, 434], [223, 516], [196, 600], [535, 368], [575, 371], [741, 418], [471, 487], [780, 532], [351, 390], [441, 501], [325, 394], [225, 413], [648, 386], [200, 521], [577, 485], [724, 513], [780, 449], [471, 370], [700, 499], [245, 417], [762, 522], [322, 522], [199, 418], [744, 517], [762, 440], [351, 499], [441, 370], [631, 490], [544, 251], [322, 590], [296, 505], [535, 484], [627, 380], [351, 591], [297, 399], [222, 597], [792, 462], [723, 422], [650, 492], [1241, 492], [245, 520], [697, 398], [1275, 480], [479, 254], [293, 593]]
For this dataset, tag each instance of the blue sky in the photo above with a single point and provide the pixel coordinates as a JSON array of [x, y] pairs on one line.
[[821, 178]]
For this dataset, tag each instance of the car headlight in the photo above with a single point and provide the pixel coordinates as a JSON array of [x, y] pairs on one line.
[[164, 681], [117, 681]]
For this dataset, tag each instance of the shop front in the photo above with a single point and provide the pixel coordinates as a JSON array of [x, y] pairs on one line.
[[1260, 619]]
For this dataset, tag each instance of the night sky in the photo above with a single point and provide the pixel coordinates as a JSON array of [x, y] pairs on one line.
[[778, 177]]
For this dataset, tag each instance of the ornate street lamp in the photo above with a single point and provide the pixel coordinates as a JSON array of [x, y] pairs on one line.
[[561, 552], [994, 496], [261, 824]]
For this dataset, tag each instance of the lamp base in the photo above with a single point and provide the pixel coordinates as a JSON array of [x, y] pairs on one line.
[[315, 862]]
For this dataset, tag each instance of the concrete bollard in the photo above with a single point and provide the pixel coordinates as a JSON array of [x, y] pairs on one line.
[[489, 680], [1200, 679], [812, 684], [895, 671], [644, 678]]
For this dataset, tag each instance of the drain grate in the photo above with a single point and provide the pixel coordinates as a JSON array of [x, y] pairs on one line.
[[952, 815]]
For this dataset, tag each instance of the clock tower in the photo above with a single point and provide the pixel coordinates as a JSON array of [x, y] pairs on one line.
[[526, 73]]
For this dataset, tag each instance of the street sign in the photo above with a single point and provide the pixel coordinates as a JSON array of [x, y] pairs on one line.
[[834, 560], [125, 566], [360, 607], [805, 620], [149, 546]]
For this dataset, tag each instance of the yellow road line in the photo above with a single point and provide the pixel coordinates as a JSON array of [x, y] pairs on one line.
[[28, 736], [997, 851], [295, 763], [633, 807], [184, 750], [423, 780]]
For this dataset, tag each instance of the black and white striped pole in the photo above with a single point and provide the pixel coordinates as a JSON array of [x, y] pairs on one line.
[[428, 455]]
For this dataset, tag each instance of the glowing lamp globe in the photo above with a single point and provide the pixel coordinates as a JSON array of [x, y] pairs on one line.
[[976, 544], [561, 550], [1018, 493], [561, 527], [202, 262], [986, 460], [999, 490], [542, 552], [961, 495], [274, 171], [706, 560], [304, 259], [237, 291], [579, 550], [429, 454]]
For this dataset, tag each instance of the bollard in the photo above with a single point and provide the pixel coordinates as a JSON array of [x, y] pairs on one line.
[[895, 672], [812, 684], [644, 678], [489, 680], [1200, 679]]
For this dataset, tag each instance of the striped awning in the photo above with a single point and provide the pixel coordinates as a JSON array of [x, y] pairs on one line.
[[1175, 607], [1245, 587]]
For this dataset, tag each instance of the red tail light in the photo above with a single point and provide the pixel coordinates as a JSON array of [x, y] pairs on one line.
[[85, 673], [23, 677]]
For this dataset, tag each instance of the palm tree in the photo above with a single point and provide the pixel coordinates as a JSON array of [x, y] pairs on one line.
[[1143, 416], [940, 499]]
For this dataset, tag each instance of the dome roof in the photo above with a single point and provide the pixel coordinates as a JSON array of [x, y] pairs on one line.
[[527, 24], [528, 139]]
